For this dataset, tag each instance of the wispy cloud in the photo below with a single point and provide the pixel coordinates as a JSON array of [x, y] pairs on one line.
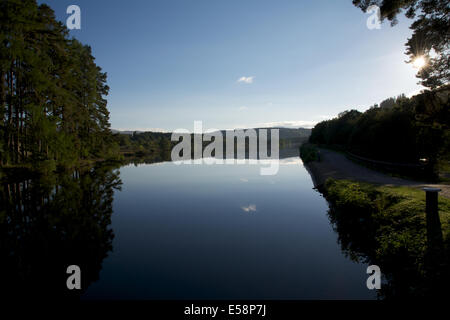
[[243, 108], [144, 130], [245, 80], [284, 124], [291, 124], [249, 208], [243, 180]]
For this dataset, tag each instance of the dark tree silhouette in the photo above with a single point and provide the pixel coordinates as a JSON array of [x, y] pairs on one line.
[[431, 34], [48, 223], [401, 130]]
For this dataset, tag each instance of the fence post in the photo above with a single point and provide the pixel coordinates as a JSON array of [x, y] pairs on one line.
[[434, 231]]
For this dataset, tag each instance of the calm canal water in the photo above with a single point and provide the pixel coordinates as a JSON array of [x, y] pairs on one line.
[[166, 231], [224, 232]]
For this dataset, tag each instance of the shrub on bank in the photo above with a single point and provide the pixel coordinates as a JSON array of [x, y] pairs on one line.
[[309, 153]]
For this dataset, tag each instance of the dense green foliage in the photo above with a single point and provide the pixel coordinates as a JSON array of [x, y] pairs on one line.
[[157, 146], [431, 34], [145, 144], [402, 130], [309, 153], [386, 226], [52, 94]]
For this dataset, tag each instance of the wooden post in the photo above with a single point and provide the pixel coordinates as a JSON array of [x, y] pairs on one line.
[[434, 258], [434, 231]]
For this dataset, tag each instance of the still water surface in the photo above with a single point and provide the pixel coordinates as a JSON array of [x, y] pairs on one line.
[[224, 232]]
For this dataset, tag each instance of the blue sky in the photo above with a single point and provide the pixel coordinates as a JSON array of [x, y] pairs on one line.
[[170, 62]]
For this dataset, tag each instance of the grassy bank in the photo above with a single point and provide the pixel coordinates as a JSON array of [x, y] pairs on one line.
[[384, 202], [386, 226]]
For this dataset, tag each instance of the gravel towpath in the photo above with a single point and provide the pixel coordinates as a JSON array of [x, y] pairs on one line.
[[338, 166]]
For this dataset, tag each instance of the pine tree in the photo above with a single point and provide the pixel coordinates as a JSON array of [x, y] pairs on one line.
[[52, 94]]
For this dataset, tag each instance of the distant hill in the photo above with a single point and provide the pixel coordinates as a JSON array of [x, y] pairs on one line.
[[131, 132], [285, 133], [157, 146], [289, 133]]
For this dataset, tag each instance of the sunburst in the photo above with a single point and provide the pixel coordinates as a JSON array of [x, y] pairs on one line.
[[419, 62]]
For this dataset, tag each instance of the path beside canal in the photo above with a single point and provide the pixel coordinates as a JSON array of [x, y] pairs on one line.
[[337, 166]]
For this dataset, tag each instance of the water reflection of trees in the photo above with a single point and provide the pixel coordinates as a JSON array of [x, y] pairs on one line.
[[48, 223], [410, 267], [287, 150]]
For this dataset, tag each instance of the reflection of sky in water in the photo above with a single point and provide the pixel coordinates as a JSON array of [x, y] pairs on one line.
[[224, 231]]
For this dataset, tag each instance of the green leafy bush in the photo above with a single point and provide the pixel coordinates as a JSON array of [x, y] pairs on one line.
[[309, 153]]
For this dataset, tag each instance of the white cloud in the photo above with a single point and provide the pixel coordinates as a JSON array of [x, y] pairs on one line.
[[249, 208], [144, 130], [243, 180], [286, 124], [247, 80], [243, 108]]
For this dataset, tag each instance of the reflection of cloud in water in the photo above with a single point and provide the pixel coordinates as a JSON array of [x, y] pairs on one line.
[[243, 180], [249, 208]]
